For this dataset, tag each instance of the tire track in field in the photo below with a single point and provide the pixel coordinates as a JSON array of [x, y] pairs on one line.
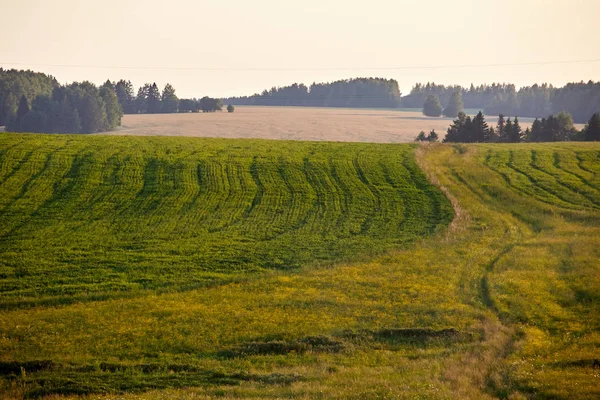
[[532, 164], [17, 167], [593, 198], [581, 160], [420, 182], [25, 188], [260, 189], [536, 188], [366, 226]]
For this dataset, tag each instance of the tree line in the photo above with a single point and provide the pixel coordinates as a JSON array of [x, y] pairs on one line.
[[578, 99], [150, 100], [554, 128], [359, 92], [75, 108], [36, 102]]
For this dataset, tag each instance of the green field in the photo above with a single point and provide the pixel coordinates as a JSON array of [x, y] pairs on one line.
[[145, 268]]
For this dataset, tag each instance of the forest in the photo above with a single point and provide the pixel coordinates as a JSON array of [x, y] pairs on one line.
[[359, 92], [36, 102], [581, 100]]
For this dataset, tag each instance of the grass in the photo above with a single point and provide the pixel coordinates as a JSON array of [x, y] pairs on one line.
[[503, 303], [97, 216]]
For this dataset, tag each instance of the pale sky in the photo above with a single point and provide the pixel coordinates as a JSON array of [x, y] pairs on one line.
[[245, 46]]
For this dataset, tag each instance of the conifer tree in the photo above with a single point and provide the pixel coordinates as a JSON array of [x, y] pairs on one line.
[[153, 100], [170, 101], [455, 105], [432, 106], [515, 135], [592, 129], [479, 131]]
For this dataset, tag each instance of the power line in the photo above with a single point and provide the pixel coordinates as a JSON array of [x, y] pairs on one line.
[[304, 69]]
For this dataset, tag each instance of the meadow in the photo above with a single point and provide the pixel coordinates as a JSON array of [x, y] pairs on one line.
[[150, 268], [296, 123]]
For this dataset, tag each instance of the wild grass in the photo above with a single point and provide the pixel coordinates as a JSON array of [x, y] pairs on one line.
[[503, 305]]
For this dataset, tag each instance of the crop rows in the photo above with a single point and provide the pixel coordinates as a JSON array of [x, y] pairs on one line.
[[98, 214], [561, 176]]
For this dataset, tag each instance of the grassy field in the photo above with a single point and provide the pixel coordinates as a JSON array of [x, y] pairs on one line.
[[296, 123], [190, 268]]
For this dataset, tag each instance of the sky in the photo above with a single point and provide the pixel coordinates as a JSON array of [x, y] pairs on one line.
[[230, 47]]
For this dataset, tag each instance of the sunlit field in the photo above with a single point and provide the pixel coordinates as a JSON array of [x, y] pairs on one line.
[[296, 123], [155, 268]]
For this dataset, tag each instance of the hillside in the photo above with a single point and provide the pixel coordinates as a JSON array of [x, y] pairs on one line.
[[194, 268], [104, 214]]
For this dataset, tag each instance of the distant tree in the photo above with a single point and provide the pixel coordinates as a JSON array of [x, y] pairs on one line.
[[141, 100], [565, 128], [208, 104], [592, 129], [536, 131], [22, 111], [153, 103], [34, 121], [478, 131], [230, 108], [455, 105], [170, 101], [516, 133], [459, 130], [124, 91], [527, 135], [189, 105], [93, 113], [499, 127], [433, 136], [432, 106], [508, 128], [67, 118], [114, 112], [421, 137]]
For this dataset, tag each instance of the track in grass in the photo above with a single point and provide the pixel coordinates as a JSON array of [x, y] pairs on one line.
[[87, 215]]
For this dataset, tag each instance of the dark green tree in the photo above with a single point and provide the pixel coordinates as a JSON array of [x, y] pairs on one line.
[[455, 105], [421, 137], [169, 100], [592, 129], [208, 104], [432, 106], [515, 135], [22, 111], [478, 131], [230, 108], [124, 90], [141, 100], [114, 112], [459, 130], [153, 100], [433, 136]]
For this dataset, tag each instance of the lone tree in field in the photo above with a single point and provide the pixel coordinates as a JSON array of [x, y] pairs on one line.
[[230, 108], [455, 105], [432, 106], [592, 130]]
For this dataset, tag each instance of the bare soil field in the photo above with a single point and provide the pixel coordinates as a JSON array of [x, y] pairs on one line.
[[293, 123]]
